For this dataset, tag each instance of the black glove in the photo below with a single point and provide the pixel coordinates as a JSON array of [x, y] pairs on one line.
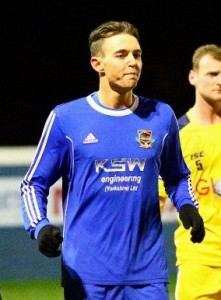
[[49, 238], [191, 218]]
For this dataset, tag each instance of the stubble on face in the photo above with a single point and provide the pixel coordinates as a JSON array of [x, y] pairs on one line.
[[208, 84], [122, 61]]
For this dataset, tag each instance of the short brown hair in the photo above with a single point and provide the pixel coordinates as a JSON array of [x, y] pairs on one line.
[[108, 29], [209, 49]]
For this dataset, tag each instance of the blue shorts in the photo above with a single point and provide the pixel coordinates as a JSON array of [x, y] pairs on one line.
[[78, 291]]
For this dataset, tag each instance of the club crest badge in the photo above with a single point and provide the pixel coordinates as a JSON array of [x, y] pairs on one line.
[[145, 139]]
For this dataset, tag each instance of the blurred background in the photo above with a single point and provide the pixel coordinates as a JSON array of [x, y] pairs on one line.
[[45, 61]]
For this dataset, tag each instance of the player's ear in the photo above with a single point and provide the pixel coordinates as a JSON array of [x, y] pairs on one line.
[[192, 77], [96, 64]]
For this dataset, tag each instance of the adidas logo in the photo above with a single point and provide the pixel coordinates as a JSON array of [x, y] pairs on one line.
[[90, 139]]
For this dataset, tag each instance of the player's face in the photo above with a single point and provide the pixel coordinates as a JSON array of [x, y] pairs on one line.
[[207, 79], [121, 61]]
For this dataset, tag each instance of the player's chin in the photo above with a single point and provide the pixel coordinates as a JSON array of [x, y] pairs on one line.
[[132, 83]]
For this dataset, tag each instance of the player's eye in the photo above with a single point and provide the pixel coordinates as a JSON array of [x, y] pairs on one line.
[[213, 74], [119, 55]]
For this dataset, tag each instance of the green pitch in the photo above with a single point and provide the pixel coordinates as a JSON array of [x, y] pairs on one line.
[[31, 290], [42, 290]]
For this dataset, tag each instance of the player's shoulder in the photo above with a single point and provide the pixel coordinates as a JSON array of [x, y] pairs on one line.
[[155, 103], [69, 106], [183, 121]]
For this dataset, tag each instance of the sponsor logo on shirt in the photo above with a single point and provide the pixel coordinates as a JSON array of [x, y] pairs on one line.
[[119, 165], [205, 186]]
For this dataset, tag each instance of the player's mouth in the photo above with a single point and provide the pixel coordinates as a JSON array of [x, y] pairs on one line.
[[133, 75], [218, 91]]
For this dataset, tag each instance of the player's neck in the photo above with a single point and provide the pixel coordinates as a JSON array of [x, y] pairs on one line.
[[113, 99], [205, 113]]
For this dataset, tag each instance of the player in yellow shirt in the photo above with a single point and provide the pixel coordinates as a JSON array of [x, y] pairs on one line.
[[199, 264]]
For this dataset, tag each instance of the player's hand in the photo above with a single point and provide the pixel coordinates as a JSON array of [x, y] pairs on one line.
[[49, 238], [191, 218]]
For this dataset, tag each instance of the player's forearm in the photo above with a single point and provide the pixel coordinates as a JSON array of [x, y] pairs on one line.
[[182, 193]]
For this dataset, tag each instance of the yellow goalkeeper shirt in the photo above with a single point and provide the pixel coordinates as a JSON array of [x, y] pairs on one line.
[[201, 146]]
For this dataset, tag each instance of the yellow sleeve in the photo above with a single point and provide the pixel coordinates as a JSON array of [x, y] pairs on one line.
[[162, 196]]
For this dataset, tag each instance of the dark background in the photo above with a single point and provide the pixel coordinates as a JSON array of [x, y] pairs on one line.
[[45, 55]]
